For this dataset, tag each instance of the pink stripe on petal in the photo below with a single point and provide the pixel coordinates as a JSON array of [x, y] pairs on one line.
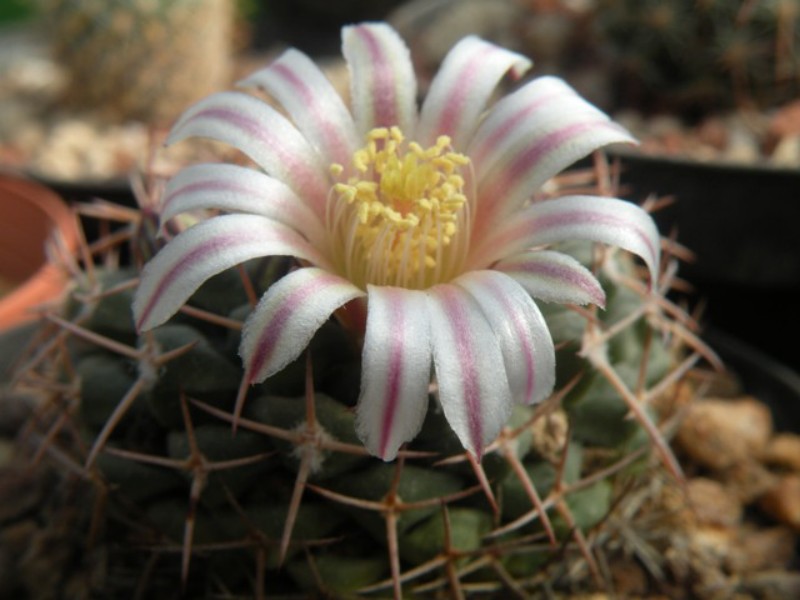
[[587, 219], [525, 343], [314, 105], [462, 87], [288, 316], [396, 365], [393, 381], [453, 112], [299, 172], [526, 162], [337, 146], [464, 349], [204, 250], [383, 84], [470, 368], [514, 181], [490, 143], [263, 134], [597, 219], [520, 115], [167, 279], [271, 334], [554, 277], [521, 332], [239, 189]]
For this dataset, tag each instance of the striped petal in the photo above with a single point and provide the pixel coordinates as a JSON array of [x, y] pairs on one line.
[[204, 250], [383, 84], [592, 218], [314, 105], [264, 135], [473, 387], [553, 277], [530, 137], [288, 316], [512, 112], [518, 325], [396, 370], [232, 188], [460, 90]]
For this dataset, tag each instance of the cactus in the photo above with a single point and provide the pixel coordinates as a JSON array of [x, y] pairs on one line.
[[193, 474], [701, 55], [292, 503], [140, 59]]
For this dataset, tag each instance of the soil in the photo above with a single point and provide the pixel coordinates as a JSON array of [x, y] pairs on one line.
[[770, 139]]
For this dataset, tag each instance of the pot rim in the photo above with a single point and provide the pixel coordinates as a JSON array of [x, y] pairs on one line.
[[635, 153], [48, 281]]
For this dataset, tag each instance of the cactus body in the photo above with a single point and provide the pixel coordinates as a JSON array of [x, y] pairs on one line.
[[292, 503]]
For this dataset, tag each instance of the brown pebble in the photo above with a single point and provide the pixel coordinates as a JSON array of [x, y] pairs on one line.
[[629, 578], [712, 503], [719, 433], [760, 549], [786, 121], [713, 132], [772, 585], [783, 450], [782, 501], [748, 480]]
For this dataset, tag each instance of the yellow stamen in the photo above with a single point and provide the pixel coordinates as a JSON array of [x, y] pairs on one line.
[[394, 219]]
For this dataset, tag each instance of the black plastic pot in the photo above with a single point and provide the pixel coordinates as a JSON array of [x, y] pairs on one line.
[[741, 221], [743, 224]]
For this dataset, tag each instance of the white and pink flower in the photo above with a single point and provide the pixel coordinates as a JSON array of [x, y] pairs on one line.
[[415, 227]]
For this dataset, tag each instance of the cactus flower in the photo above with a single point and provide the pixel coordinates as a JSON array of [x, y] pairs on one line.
[[416, 227]]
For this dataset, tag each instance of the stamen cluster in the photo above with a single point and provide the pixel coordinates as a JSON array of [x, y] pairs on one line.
[[400, 211]]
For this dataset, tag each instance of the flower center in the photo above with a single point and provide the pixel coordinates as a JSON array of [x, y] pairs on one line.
[[397, 220]]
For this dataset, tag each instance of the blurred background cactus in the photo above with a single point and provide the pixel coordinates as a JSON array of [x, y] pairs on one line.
[[140, 59], [698, 56]]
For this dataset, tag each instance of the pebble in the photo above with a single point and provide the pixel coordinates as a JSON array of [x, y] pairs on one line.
[[712, 503], [783, 450], [761, 549], [748, 480], [782, 501], [787, 152], [720, 433]]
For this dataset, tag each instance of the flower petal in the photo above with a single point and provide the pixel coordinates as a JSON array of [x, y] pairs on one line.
[[204, 250], [473, 387], [287, 317], [593, 218], [396, 370], [503, 122], [531, 136], [518, 325], [233, 188], [382, 81], [312, 102], [553, 277], [264, 135], [460, 90]]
